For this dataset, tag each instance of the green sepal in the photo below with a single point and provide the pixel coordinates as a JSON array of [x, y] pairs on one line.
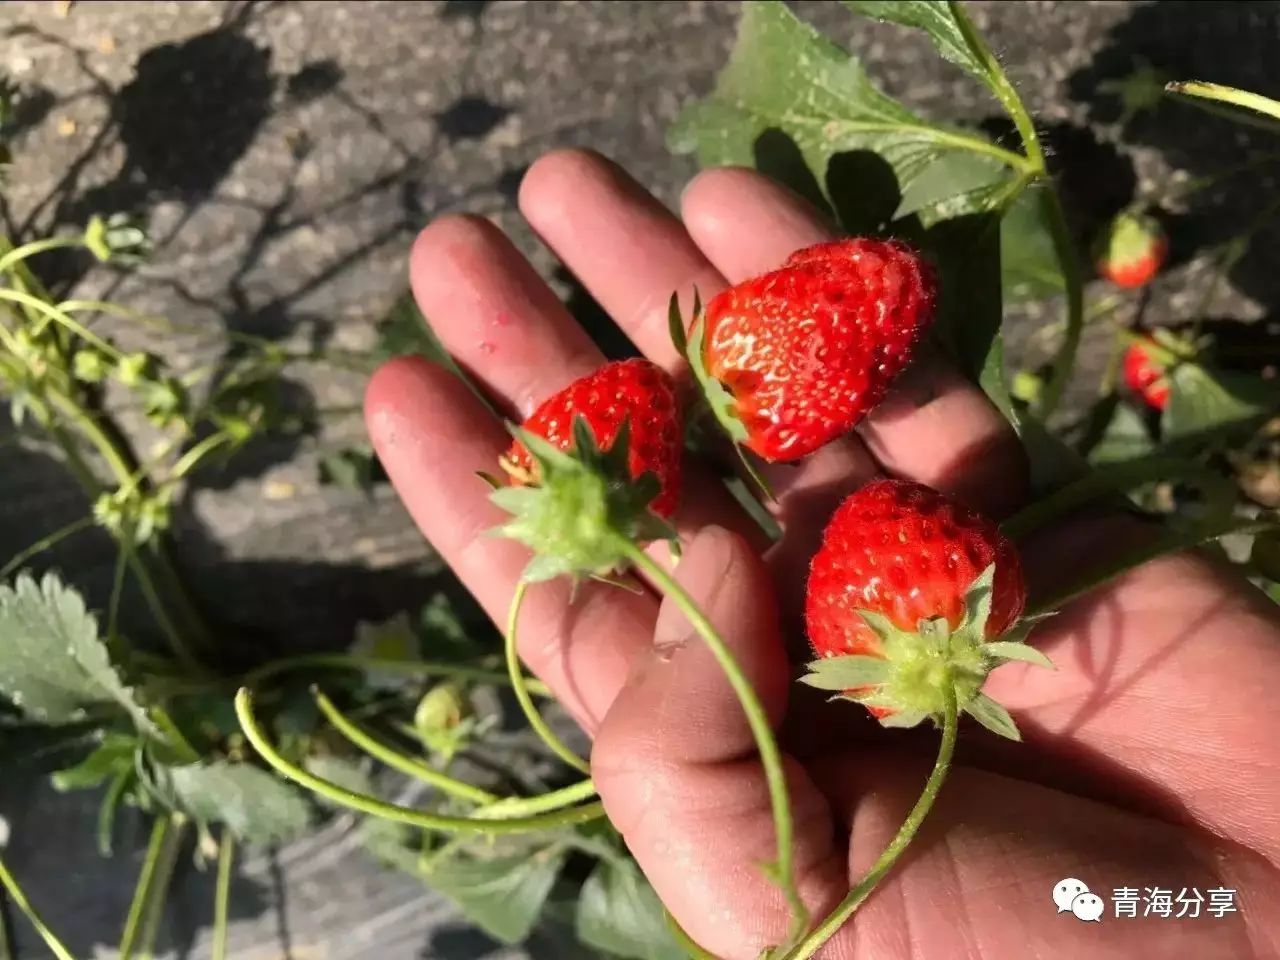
[[493, 482], [992, 716], [847, 672], [1014, 650], [903, 719], [584, 508], [675, 325], [977, 602]]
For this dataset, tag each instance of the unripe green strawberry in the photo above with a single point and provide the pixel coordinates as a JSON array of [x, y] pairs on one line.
[[1131, 250], [594, 466], [911, 591], [793, 359]]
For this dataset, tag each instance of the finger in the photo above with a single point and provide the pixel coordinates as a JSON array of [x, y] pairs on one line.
[[620, 241], [432, 435], [497, 318], [676, 767], [934, 427], [494, 314]]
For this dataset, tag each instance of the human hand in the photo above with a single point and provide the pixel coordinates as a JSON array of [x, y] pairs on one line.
[[1148, 758]]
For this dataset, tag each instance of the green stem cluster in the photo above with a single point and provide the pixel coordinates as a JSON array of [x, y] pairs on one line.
[[1034, 167]]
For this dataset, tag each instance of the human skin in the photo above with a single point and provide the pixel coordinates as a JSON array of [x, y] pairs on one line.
[[1149, 756]]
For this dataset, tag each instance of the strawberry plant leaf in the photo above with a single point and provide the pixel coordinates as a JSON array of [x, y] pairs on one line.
[[1215, 404], [619, 914], [935, 18], [1029, 267], [1124, 438], [782, 75], [54, 666], [504, 895], [252, 803]]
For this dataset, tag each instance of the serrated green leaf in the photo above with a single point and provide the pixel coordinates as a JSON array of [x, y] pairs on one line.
[[255, 805], [1214, 404], [846, 673], [784, 76], [970, 306], [503, 896], [935, 18], [53, 664], [992, 716], [1029, 266], [1125, 437], [619, 913], [956, 184]]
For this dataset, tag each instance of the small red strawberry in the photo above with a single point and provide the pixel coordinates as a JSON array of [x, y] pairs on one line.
[[1132, 250], [1145, 375], [597, 462], [911, 588], [795, 358]]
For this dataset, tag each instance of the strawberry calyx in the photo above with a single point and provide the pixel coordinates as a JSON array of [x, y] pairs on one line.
[[718, 400], [905, 681], [578, 510]]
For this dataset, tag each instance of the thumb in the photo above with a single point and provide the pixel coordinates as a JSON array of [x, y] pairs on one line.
[[677, 696], [676, 765]]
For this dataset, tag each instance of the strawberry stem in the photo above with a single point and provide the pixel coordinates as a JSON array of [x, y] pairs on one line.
[[363, 803], [9, 884], [396, 760], [901, 840], [782, 872], [222, 895], [519, 688]]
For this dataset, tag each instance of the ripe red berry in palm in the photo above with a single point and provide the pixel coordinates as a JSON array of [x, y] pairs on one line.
[[907, 593], [1145, 375], [1131, 250], [795, 358], [636, 391]]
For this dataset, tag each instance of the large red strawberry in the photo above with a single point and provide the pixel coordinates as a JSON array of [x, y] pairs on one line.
[[1145, 374], [598, 461], [795, 358], [1131, 250], [910, 591]]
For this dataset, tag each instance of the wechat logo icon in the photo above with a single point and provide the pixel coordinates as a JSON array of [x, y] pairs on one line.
[[1073, 896]]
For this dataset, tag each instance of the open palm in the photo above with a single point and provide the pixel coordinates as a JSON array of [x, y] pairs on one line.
[[1150, 758]]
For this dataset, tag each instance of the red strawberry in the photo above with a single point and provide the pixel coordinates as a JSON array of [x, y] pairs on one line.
[[795, 358], [1144, 374], [1132, 250], [634, 390], [597, 464], [908, 586]]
